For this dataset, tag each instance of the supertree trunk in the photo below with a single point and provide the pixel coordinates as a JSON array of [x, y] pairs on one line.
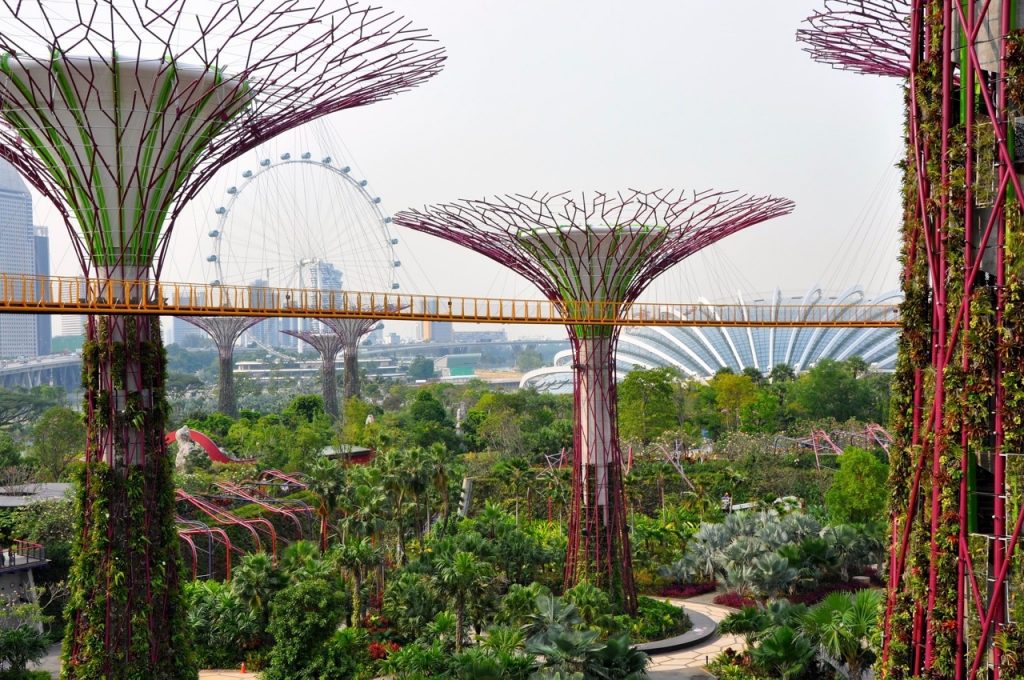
[[351, 377], [126, 543], [329, 377], [598, 542], [227, 403]]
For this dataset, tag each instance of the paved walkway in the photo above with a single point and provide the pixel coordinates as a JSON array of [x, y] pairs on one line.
[[688, 664]]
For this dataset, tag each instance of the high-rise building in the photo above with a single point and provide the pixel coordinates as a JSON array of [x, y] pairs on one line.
[[18, 332], [43, 321]]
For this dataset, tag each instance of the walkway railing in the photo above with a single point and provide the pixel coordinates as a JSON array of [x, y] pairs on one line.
[[23, 554], [75, 295]]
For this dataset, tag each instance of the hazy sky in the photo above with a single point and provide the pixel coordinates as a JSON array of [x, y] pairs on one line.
[[601, 94]]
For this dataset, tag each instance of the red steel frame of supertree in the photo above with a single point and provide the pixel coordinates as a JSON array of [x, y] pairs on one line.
[[955, 603], [863, 36], [225, 332], [595, 254], [119, 112]]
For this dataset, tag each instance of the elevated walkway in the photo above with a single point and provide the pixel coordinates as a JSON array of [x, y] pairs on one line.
[[75, 295]]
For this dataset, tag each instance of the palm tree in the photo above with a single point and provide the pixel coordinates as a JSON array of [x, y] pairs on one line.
[[463, 578], [783, 653], [298, 558], [255, 581], [438, 469], [846, 626], [356, 556], [327, 480]]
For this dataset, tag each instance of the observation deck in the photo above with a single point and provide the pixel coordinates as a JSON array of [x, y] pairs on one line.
[[75, 295]]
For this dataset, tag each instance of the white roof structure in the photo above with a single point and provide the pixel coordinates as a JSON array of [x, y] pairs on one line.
[[700, 352]]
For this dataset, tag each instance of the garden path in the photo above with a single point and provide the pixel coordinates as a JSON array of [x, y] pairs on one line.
[[688, 664]]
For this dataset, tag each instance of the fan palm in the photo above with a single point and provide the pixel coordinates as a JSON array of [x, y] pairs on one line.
[[463, 578]]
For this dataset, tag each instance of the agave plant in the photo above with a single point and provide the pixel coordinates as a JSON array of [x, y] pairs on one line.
[[772, 575]]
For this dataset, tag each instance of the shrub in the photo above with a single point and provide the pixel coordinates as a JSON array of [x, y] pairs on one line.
[[734, 600], [657, 620], [19, 646], [303, 616], [687, 590]]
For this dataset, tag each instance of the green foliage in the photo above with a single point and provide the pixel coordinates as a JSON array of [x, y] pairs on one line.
[[832, 390], [858, 492], [646, 404], [303, 617], [783, 654], [528, 359], [223, 626], [421, 368], [20, 646]]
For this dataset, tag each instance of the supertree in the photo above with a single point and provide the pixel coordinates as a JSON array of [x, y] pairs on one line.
[[119, 112], [225, 332], [955, 601], [351, 331], [594, 254], [329, 344], [863, 36]]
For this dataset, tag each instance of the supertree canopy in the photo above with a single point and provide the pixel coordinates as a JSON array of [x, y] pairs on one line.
[[119, 111], [864, 36], [351, 331], [955, 598], [595, 254], [225, 332], [329, 344]]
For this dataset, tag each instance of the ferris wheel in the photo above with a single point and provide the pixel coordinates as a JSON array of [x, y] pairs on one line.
[[302, 221]]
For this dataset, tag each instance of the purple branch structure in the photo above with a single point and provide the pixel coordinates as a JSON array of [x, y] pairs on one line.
[[119, 112], [580, 249], [864, 36], [329, 345], [225, 332]]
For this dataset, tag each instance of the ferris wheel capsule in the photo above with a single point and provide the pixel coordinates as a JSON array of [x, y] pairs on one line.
[[346, 169], [232, 190], [265, 162], [214, 233], [211, 258], [326, 160], [363, 182], [306, 155], [247, 174], [376, 199], [285, 156], [221, 210]]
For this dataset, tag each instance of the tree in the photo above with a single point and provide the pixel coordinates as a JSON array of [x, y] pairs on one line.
[[732, 393], [58, 439], [303, 616], [528, 359], [781, 373], [846, 625], [646, 407], [356, 555], [421, 368], [327, 483], [858, 493], [10, 452], [463, 578], [830, 390]]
